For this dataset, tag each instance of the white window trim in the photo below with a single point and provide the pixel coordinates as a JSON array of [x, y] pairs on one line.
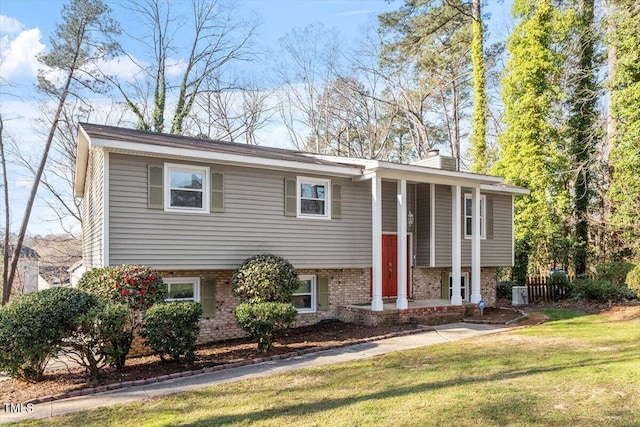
[[206, 187], [314, 288], [196, 287], [483, 218], [467, 286], [314, 181]]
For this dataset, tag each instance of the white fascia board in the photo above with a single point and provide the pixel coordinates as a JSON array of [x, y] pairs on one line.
[[431, 176], [225, 158], [504, 189], [82, 159], [364, 163]]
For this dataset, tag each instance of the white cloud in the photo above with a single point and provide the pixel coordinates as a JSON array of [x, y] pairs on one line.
[[121, 66], [19, 56], [9, 25]]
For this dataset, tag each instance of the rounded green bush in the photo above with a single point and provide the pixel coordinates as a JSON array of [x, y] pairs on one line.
[[265, 278], [615, 272], [600, 290], [172, 329], [633, 280], [264, 320], [33, 327]]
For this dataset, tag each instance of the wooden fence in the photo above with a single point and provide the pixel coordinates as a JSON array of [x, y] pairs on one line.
[[539, 290]]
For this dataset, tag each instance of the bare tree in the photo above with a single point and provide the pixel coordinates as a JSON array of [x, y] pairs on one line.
[[232, 111], [308, 63], [83, 37], [5, 244], [218, 37]]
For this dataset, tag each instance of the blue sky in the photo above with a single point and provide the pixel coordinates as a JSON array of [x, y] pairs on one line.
[[26, 25]]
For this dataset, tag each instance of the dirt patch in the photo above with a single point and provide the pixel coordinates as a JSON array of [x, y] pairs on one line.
[[622, 314], [321, 336], [495, 315]]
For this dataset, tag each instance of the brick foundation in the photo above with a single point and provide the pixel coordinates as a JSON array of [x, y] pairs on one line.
[[347, 287]]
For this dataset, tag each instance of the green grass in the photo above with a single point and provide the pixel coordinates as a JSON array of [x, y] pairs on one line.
[[581, 371]]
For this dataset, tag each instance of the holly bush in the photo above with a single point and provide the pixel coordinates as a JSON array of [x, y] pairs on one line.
[[172, 329], [264, 320], [265, 278], [34, 326]]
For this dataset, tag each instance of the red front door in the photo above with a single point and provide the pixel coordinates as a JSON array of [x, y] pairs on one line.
[[390, 265]]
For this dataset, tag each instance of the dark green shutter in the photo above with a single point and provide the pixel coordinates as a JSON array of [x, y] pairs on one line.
[[290, 196], [155, 190], [336, 201], [444, 288], [208, 297], [489, 222], [323, 294], [217, 192]]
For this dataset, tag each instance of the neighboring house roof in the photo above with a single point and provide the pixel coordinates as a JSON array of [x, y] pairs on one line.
[[130, 141], [25, 252]]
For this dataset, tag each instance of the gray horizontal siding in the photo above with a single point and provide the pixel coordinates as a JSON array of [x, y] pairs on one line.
[[423, 229], [390, 205], [494, 252], [253, 222], [93, 211]]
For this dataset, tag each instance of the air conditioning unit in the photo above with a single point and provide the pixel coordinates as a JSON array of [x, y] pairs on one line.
[[519, 295]]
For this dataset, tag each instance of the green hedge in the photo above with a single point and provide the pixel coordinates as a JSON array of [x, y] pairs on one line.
[[172, 329], [33, 328], [264, 320], [600, 291], [615, 272]]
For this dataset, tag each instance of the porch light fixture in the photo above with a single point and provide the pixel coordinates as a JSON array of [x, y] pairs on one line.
[[410, 218]]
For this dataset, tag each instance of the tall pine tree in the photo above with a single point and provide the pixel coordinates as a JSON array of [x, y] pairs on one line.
[[624, 192], [530, 145], [478, 137], [582, 132]]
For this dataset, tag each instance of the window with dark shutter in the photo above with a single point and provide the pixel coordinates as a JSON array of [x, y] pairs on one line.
[[155, 191]]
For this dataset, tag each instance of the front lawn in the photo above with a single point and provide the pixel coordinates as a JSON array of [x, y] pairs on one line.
[[584, 370]]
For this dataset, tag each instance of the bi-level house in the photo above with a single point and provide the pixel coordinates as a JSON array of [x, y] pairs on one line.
[[364, 235]]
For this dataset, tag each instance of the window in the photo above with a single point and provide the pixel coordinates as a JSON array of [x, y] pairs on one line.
[[465, 288], [186, 188], [468, 218], [313, 198], [183, 289], [304, 298]]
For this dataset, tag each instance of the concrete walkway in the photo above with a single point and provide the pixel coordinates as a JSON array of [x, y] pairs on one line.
[[441, 334]]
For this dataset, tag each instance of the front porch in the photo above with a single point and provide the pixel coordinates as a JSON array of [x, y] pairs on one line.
[[425, 312]]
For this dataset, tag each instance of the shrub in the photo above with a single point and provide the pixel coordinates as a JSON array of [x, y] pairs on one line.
[[615, 272], [33, 327], [264, 320], [265, 278], [600, 290], [503, 289], [172, 329], [100, 338], [633, 280], [558, 278], [135, 286]]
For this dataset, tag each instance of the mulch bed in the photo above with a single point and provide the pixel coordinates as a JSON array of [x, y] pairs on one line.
[[319, 337]]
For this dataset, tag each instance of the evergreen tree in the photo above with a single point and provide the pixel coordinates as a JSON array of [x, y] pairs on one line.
[[478, 137], [624, 86], [582, 132], [530, 144]]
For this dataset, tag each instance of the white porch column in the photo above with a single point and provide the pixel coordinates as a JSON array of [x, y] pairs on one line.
[[432, 225], [401, 301], [475, 247], [456, 244], [376, 238]]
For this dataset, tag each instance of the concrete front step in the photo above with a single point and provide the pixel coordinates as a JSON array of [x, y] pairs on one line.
[[437, 319]]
